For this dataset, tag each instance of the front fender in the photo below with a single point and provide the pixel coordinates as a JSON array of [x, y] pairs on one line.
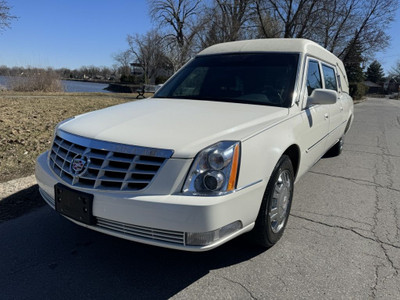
[[261, 152]]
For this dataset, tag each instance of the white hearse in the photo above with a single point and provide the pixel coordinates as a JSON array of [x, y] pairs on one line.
[[214, 154]]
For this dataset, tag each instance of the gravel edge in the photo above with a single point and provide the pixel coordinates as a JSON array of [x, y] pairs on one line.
[[19, 197], [11, 187]]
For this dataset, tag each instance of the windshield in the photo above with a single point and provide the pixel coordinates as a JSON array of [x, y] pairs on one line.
[[253, 78]]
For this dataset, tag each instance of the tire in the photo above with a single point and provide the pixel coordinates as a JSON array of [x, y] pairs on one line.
[[275, 207], [336, 149]]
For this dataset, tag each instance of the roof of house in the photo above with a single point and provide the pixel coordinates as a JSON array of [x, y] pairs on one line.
[[371, 84]]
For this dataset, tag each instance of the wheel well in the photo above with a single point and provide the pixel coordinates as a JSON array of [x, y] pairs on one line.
[[294, 154], [348, 124]]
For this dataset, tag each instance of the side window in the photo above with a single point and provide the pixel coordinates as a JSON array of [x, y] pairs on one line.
[[329, 78], [313, 77]]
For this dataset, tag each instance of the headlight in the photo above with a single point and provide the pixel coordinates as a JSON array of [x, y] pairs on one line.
[[215, 170]]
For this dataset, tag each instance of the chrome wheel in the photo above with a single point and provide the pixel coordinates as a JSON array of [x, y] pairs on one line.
[[276, 203], [341, 142], [336, 149], [280, 201]]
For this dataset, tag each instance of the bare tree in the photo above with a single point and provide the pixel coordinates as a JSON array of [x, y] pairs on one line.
[[370, 21], [295, 16], [267, 26], [5, 16], [226, 20], [235, 14], [335, 24], [148, 51], [176, 14], [179, 19], [395, 71], [342, 26], [124, 60]]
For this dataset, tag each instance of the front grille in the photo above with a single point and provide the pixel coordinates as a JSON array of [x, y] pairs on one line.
[[96, 164], [169, 236]]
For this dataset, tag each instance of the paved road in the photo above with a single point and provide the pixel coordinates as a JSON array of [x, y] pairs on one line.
[[342, 240]]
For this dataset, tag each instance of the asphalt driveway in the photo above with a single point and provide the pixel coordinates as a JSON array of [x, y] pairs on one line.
[[342, 240]]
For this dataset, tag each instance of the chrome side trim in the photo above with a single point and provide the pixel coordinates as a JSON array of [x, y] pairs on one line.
[[249, 185], [319, 141], [310, 148]]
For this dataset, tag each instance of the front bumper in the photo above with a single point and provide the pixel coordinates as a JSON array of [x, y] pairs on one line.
[[163, 220]]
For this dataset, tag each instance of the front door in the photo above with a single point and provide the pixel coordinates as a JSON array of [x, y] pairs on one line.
[[315, 118]]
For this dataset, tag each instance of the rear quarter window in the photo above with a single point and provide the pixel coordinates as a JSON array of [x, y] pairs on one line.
[[329, 78]]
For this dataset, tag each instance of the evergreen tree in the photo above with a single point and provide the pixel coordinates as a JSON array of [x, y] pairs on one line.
[[352, 60], [375, 72]]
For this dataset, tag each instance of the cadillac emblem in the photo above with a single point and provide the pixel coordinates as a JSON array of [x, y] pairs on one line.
[[79, 165]]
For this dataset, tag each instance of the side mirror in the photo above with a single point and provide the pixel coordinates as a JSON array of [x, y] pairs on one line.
[[320, 96]]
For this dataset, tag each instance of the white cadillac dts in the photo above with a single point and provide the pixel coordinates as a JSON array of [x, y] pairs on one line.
[[214, 154]]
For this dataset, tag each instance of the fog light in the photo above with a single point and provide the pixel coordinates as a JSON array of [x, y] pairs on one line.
[[209, 237]]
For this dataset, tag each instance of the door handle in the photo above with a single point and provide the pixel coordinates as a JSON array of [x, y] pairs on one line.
[[326, 116]]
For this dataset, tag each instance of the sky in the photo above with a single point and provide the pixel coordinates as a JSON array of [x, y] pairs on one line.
[[391, 55], [75, 33], [70, 33]]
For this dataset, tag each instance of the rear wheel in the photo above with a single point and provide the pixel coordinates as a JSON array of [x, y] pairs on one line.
[[275, 207], [336, 149]]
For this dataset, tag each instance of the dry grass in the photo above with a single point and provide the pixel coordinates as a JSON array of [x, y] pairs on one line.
[[37, 81], [27, 122]]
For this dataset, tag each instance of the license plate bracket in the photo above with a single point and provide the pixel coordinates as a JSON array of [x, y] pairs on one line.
[[74, 204]]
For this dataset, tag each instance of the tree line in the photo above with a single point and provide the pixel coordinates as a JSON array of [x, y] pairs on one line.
[[352, 29], [92, 73]]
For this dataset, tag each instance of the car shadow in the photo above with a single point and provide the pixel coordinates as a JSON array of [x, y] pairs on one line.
[[54, 257], [20, 203]]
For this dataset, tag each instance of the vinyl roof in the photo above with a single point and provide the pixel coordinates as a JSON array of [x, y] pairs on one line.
[[272, 45]]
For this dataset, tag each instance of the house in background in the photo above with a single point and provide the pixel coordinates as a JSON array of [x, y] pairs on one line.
[[372, 87], [160, 76], [392, 85], [136, 69]]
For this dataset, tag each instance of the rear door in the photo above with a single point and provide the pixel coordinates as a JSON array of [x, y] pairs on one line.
[[336, 114]]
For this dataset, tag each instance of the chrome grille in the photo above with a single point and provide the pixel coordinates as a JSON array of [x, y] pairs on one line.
[[107, 166], [135, 231]]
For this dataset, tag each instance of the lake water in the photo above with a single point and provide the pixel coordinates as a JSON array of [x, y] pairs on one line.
[[84, 87], [74, 86]]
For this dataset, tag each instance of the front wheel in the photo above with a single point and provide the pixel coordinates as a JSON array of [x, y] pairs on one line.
[[276, 204]]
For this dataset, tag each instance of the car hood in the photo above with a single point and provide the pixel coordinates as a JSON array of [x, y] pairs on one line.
[[184, 126]]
